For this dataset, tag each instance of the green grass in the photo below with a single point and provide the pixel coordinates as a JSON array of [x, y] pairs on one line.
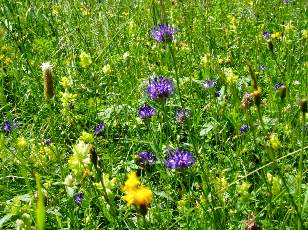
[[259, 177]]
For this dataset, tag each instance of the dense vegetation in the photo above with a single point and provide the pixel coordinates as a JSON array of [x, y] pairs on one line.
[[153, 114]]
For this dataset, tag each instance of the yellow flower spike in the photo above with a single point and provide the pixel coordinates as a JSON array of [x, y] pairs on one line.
[[274, 141], [85, 60]]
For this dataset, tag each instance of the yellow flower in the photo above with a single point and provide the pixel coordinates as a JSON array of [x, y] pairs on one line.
[[142, 196], [107, 69], [274, 141], [289, 27], [230, 76], [132, 182], [86, 137], [85, 59], [305, 34], [205, 60], [276, 35], [21, 143], [135, 193]]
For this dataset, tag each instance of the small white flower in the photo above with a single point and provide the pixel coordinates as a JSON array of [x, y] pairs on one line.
[[46, 66]]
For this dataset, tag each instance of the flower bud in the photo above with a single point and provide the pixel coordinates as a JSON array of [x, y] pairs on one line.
[[48, 81], [93, 155], [257, 96], [303, 105]]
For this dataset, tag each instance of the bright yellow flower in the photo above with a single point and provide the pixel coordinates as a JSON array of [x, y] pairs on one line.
[[276, 35], [142, 196], [132, 182], [85, 60], [135, 193]]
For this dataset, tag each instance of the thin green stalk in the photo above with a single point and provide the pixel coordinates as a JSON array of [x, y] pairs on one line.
[[177, 76]]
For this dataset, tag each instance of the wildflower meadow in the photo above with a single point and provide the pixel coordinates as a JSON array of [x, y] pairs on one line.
[[153, 114]]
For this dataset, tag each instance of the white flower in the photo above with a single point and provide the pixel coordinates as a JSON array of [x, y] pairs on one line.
[[46, 66]]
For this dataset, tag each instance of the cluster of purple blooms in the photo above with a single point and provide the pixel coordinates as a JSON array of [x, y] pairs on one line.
[[99, 128], [244, 129], [160, 88], [146, 158], [163, 33], [78, 197], [8, 128], [146, 112], [266, 35], [179, 159]]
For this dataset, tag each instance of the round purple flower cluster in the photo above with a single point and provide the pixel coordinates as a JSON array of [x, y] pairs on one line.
[[160, 88], [163, 33], [266, 35], [146, 158], [146, 112], [179, 159], [244, 128], [8, 128], [78, 197]]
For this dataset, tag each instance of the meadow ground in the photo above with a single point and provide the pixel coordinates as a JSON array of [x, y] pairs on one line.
[[153, 114]]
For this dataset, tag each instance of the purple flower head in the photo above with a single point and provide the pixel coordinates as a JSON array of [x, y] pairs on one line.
[[244, 128], [286, 1], [179, 159], [79, 197], [208, 84], [47, 141], [146, 158], [146, 112], [99, 128], [160, 88], [163, 33], [181, 115], [7, 126], [278, 85], [266, 35]]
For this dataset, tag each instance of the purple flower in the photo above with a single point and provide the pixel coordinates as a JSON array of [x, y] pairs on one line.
[[208, 84], [47, 141], [146, 158], [266, 35], [160, 88], [180, 159], [244, 128], [278, 85], [7, 126], [181, 115], [163, 33], [78, 198], [99, 128], [146, 112]]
